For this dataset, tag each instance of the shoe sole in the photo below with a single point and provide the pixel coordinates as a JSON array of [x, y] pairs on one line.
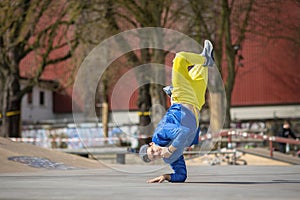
[[209, 47]]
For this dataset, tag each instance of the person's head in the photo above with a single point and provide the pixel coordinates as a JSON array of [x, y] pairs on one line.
[[286, 124], [150, 152]]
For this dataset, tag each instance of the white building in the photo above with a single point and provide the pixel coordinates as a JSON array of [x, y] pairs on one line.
[[39, 105]]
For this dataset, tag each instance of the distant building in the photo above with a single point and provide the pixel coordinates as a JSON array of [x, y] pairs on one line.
[[44, 105], [267, 82]]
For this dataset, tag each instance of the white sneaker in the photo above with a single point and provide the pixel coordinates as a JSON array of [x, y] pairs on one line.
[[168, 90], [208, 53]]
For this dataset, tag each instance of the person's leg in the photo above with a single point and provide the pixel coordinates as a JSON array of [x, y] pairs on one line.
[[208, 53], [282, 147]]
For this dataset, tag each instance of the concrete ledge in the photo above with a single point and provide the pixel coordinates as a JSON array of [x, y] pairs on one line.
[[118, 151]]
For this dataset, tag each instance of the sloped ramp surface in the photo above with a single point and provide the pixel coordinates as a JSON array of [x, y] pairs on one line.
[[21, 157], [276, 155], [37, 162]]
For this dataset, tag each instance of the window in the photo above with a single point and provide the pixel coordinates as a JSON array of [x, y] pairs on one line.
[[29, 97], [42, 98]]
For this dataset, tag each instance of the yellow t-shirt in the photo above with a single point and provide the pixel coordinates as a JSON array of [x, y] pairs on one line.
[[189, 79]]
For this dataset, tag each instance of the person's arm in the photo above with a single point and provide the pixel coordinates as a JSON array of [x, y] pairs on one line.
[[292, 134], [184, 137], [185, 134], [179, 175], [160, 179], [166, 152]]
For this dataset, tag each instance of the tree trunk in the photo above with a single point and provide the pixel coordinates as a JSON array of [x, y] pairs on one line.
[[216, 111], [229, 85], [105, 119], [230, 58], [4, 97], [217, 103], [11, 108], [158, 98], [228, 114], [146, 128], [104, 108]]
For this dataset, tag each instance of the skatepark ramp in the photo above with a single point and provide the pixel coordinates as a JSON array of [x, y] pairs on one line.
[[267, 153], [276, 155]]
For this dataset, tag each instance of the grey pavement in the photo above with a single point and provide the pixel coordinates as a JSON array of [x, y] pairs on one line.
[[129, 182]]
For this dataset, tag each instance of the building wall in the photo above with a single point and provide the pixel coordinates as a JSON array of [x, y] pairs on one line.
[[265, 112], [270, 71], [41, 106]]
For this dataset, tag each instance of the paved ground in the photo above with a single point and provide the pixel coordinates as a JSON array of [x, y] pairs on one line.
[[204, 182], [93, 179]]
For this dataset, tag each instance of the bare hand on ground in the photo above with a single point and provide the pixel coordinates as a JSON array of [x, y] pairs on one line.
[[160, 179]]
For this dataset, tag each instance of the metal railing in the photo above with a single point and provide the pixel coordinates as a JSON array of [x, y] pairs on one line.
[[271, 139], [224, 135]]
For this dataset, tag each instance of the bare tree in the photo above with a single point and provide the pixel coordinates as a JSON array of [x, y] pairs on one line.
[[229, 23], [139, 14], [224, 22], [214, 21], [94, 28], [29, 27]]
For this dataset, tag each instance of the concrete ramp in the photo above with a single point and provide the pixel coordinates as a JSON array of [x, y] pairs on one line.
[[21, 157], [276, 155]]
